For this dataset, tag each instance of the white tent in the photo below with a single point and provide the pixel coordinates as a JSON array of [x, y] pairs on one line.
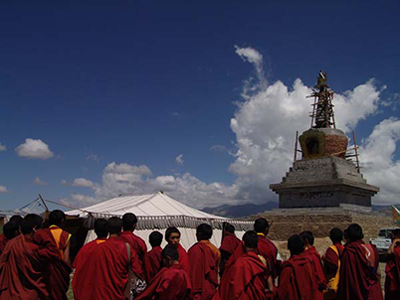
[[158, 212]]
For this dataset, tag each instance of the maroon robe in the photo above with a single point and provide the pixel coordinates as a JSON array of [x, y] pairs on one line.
[[245, 280], [297, 280], [79, 264], [228, 246], [171, 283], [229, 243], [105, 272], [266, 249], [152, 262], [21, 271], [331, 259], [183, 258], [358, 276], [392, 282], [315, 259], [138, 246], [204, 270], [3, 242], [56, 275]]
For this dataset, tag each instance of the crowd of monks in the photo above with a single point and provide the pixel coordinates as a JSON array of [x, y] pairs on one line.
[[35, 263]]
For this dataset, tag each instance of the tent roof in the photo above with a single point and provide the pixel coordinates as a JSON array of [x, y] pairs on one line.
[[157, 204], [154, 211]]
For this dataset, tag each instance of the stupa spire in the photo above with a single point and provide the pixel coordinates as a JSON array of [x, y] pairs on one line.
[[322, 115]]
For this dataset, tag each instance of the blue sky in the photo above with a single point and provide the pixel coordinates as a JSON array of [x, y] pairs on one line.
[[142, 82]]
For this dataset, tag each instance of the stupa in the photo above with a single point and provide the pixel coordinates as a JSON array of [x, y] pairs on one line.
[[324, 176]]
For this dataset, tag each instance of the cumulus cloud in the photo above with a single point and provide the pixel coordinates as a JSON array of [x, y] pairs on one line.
[[82, 182], [126, 179], [179, 160], [34, 149], [40, 182], [2, 147], [378, 161], [64, 182], [78, 201], [3, 189]]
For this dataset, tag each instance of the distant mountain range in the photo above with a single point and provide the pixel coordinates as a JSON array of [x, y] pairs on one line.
[[240, 211]]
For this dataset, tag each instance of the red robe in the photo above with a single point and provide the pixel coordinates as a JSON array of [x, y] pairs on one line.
[[358, 277], [297, 280], [79, 264], [183, 258], [21, 271], [228, 246], [245, 280], [266, 249], [3, 242], [204, 270], [105, 271], [312, 254], [392, 282], [56, 275], [152, 262], [171, 283], [331, 259], [229, 243], [138, 246]]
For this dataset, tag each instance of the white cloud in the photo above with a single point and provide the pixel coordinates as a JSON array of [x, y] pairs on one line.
[[378, 162], [82, 182], [64, 182], [2, 147], [38, 181], [179, 160], [34, 149], [3, 189], [77, 201], [251, 55]]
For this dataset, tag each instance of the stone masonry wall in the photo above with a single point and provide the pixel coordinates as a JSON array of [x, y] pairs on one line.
[[285, 224]]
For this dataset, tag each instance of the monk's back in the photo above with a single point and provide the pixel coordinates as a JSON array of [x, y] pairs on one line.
[[21, 274], [249, 281], [204, 260], [108, 266], [175, 284], [296, 280]]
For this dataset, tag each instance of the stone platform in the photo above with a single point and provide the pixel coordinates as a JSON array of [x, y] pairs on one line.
[[323, 182], [286, 222]]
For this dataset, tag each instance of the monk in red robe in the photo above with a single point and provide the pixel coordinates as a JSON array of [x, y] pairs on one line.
[[359, 270], [153, 257], [105, 273], [392, 282], [137, 244], [173, 237], [316, 261], [11, 230], [265, 248], [247, 279], [204, 260], [297, 276], [331, 260], [101, 230], [58, 269], [21, 264], [228, 245], [172, 282]]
